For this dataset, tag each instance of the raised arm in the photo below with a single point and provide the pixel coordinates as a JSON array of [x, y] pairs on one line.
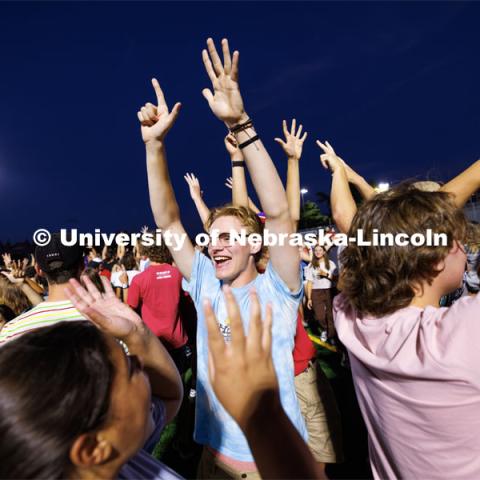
[[197, 196], [239, 182], [342, 203], [292, 146], [364, 188], [156, 121], [227, 105], [464, 185], [116, 318], [251, 203]]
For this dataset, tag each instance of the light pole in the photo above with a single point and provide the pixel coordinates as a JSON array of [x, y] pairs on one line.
[[382, 187], [303, 191]]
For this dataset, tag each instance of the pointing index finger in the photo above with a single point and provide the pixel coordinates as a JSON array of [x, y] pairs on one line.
[[159, 93]]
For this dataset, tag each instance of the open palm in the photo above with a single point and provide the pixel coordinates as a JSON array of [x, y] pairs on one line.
[[225, 102], [293, 143], [106, 311]]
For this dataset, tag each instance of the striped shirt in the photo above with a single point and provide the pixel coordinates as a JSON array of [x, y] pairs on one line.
[[43, 315]]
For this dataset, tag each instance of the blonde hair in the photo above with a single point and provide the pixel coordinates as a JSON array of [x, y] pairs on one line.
[[427, 186], [473, 237], [248, 218]]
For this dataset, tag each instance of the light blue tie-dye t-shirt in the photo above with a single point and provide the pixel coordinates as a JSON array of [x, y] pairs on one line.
[[213, 425]]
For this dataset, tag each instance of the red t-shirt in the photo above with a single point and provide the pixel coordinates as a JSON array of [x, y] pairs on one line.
[[303, 350], [157, 290]]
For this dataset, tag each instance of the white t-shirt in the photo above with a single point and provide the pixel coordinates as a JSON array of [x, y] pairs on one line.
[[317, 276], [115, 278]]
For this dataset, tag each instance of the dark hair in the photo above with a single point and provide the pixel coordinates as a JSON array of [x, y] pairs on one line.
[[110, 254], [325, 259], [30, 272], [55, 384], [6, 313], [379, 280], [129, 262], [62, 275], [156, 253], [94, 276]]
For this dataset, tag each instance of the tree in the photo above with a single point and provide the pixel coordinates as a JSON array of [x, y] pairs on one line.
[[311, 216], [322, 198]]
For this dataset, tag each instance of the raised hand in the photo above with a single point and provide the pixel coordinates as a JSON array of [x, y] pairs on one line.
[[156, 121], [106, 311], [12, 277], [225, 102], [329, 159], [7, 259], [231, 145], [293, 143], [193, 185], [229, 183], [247, 359]]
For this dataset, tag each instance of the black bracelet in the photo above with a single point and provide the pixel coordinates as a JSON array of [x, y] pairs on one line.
[[248, 142], [242, 126], [238, 163]]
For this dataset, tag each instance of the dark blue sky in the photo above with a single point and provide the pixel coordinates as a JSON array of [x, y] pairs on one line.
[[393, 86]]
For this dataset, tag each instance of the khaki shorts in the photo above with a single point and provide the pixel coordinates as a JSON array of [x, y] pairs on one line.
[[320, 411], [210, 467]]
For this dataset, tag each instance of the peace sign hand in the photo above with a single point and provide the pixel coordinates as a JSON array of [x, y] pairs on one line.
[[329, 159]]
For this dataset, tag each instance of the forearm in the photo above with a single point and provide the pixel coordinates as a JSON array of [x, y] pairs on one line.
[[364, 188], [162, 198], [293, 189], [463, 186], [278, 448], [264, 175], [309, 290], [239, 184], [165, 380], [31, 294], [202, 209], [342, 203]]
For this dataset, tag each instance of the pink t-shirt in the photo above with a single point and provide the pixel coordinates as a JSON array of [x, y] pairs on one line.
[[417, 379]]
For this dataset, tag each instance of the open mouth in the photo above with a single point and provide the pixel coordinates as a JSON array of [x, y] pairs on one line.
[[221, 261]]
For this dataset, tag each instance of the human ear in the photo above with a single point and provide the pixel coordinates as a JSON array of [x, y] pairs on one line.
[[255, 247], [87, 451], [39, 271]]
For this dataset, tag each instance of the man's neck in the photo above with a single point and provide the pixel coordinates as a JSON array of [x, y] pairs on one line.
[[245, 277], [56, 293]]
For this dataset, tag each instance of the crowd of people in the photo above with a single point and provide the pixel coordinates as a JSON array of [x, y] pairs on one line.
[[95, 343]]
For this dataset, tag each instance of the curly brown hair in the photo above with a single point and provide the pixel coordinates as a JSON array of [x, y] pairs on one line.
[[156, 253], [379, 280]]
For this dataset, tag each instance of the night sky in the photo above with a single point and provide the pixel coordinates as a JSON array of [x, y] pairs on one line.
[[393, 86]]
